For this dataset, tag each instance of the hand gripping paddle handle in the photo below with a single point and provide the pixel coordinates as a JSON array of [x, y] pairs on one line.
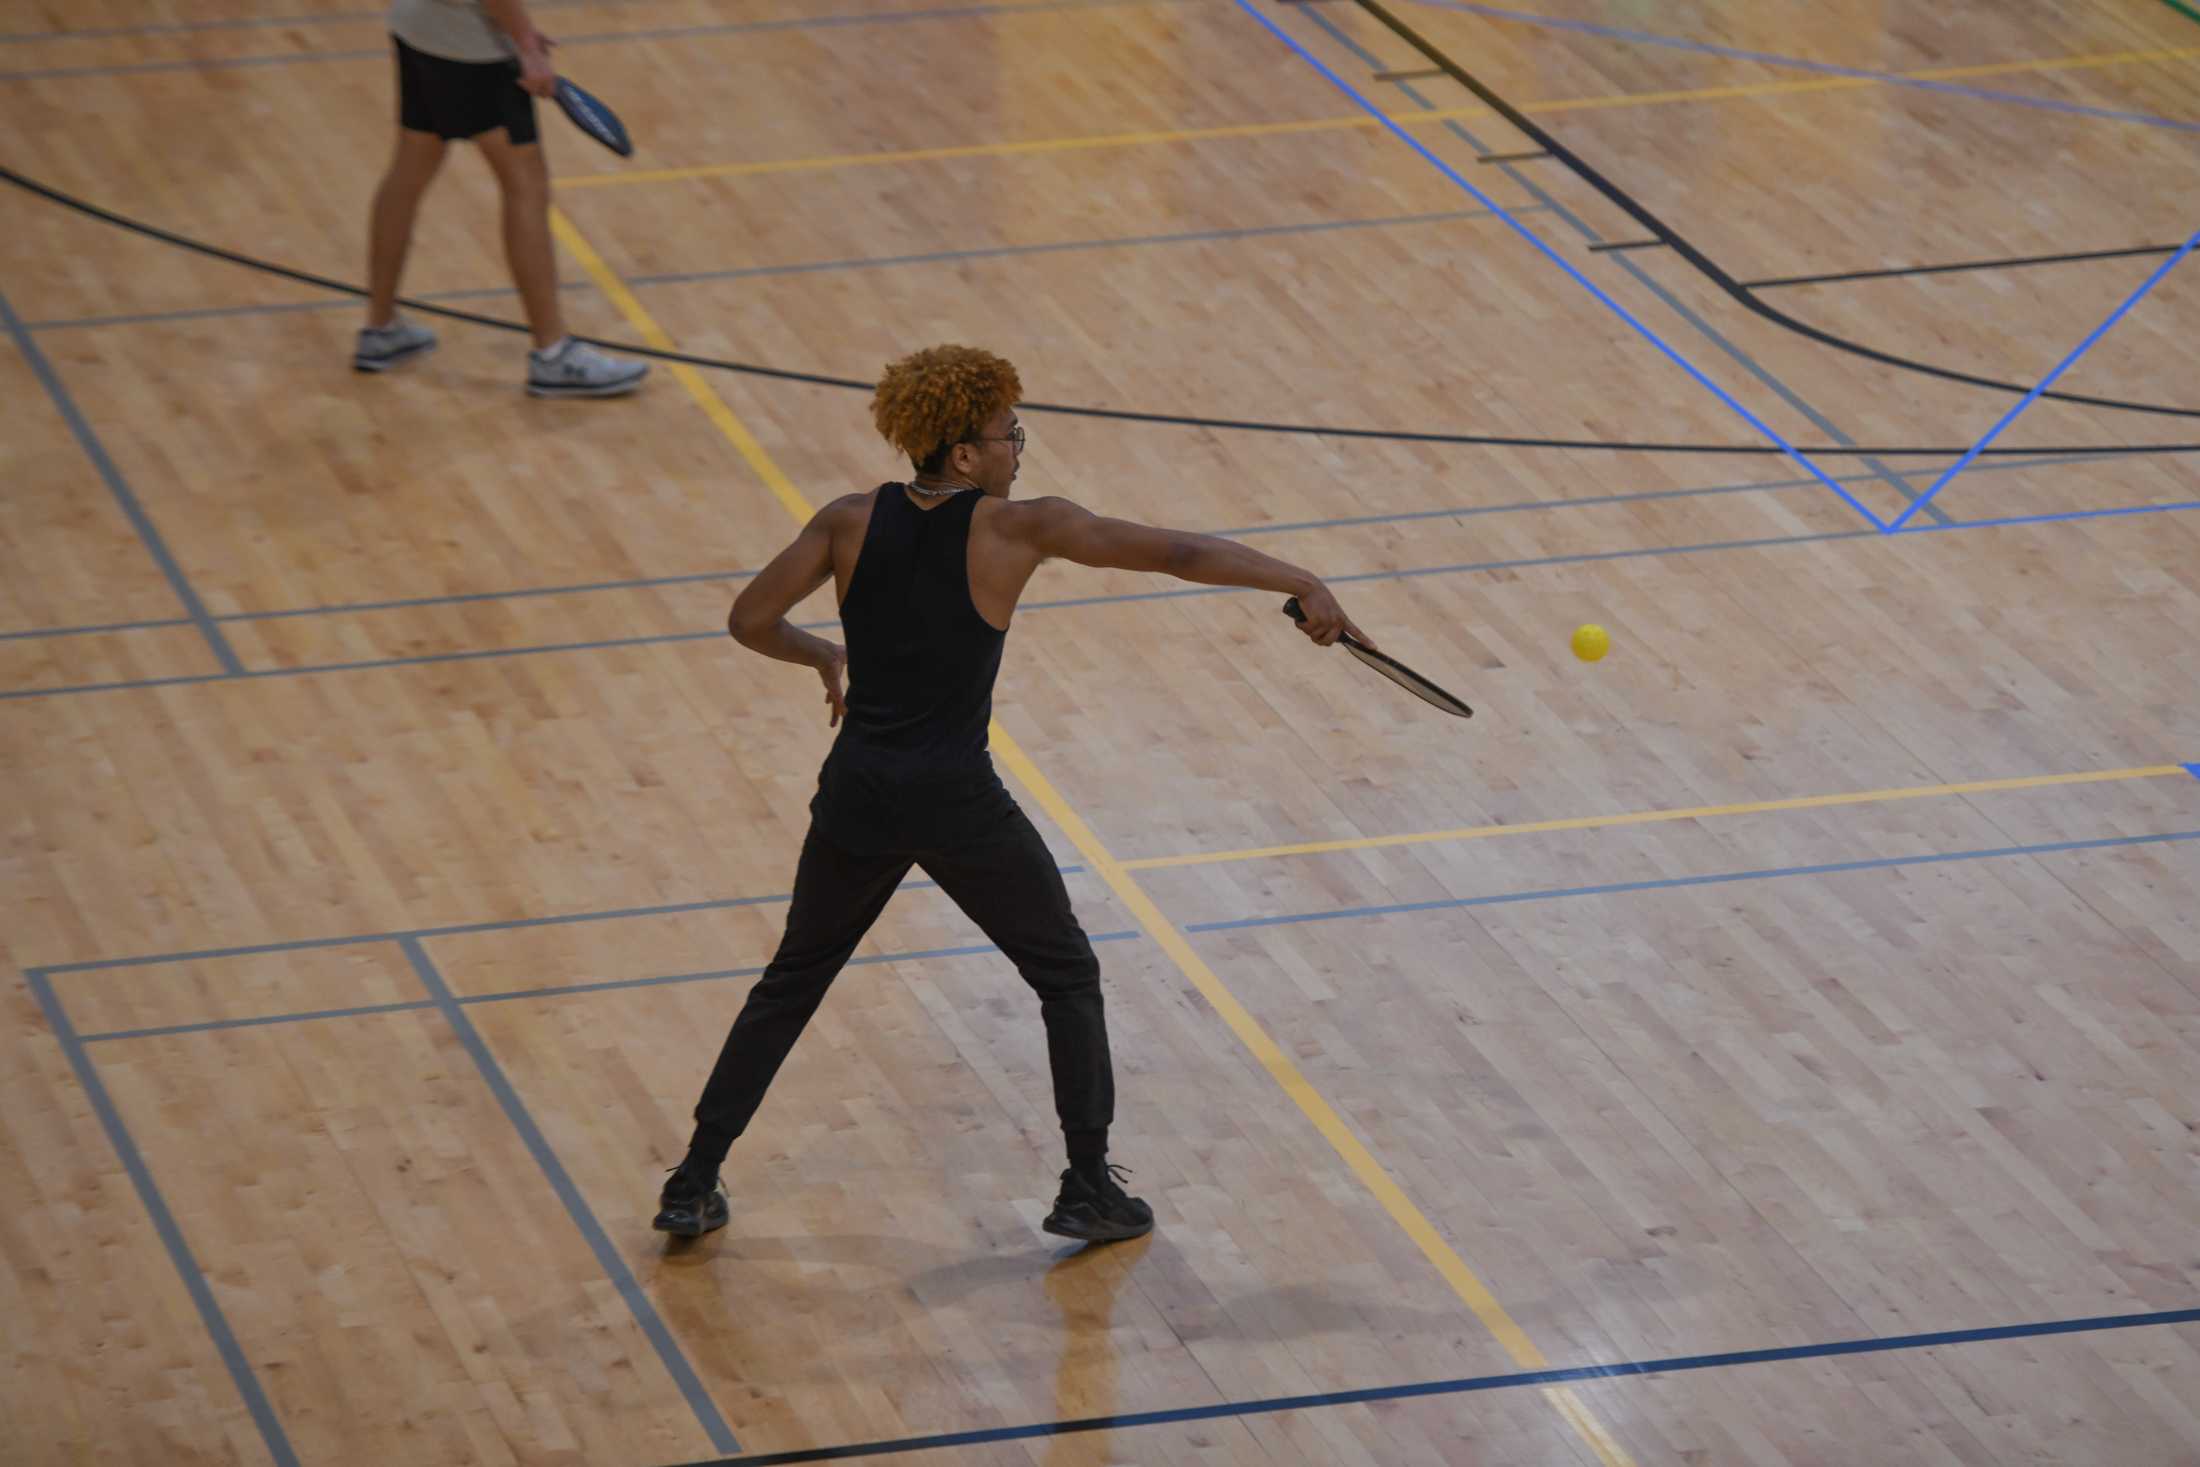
[[1390, 667]]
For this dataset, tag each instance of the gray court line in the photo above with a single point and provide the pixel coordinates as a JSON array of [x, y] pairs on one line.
[[1722, 878], [302, 1016], [164, 1224], [608, 985], [810, 267], [134, 512], [1408, 573], [263, 22], [1524, 563], [36, 633], [593, 38], [271, 308], [463, 929], [1326, 914], [460, 598], [353, 608], [1824, 424], [1580, 226], [1642, 496], [576, 1206]]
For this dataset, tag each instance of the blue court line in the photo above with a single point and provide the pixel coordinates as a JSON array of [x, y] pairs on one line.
[[576, 1207], [2193, 770], [1409, 573], [1521, 506], [809, 267], [1392, 126], [593, 38], [119, 487], [608, 985], [2046, 382], [1465, 1385], [1619, 888], [1892, 79], [164, 1224], [1525, 177]]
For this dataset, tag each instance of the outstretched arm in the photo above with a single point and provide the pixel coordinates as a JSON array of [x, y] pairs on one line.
[[1065, 531], [759, 620]]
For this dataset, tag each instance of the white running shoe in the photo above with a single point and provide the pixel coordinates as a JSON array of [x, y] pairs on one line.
[[383, 347], [576, 369]]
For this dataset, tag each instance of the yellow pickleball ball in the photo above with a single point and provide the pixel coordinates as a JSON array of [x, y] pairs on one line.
[[1591, 642]]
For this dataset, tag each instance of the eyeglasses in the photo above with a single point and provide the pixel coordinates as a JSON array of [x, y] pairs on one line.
[[1014, 435]]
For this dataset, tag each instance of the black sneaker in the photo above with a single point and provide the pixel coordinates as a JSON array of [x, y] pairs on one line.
[[1102, 1214], [688, 1211]]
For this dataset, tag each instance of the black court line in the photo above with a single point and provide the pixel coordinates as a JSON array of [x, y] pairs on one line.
[[1769, 380], [1120, 415], [1627, 244], [1702, 263], [2013, 262], [1466, 1385], [125, 498]]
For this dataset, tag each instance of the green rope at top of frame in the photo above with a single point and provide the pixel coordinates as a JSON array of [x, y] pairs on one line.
[[2183, 9]]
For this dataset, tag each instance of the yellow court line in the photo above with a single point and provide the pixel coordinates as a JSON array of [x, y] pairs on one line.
[[1349, 123], [1652, 817], [1010, 149], [1454, 1269]]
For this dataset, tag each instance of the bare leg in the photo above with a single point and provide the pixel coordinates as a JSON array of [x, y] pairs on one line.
[[523, 176], [390, 229]]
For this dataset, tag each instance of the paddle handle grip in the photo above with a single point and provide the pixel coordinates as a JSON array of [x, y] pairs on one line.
[[1297, 613]]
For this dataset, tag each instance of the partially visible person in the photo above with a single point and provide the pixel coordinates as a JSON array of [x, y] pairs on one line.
[[470, 70]]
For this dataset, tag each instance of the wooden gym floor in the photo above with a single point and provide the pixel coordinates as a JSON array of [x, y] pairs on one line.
[[1775, 1044]]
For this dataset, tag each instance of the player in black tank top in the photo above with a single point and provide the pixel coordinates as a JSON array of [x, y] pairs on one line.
[[910, 769], [909, 781]]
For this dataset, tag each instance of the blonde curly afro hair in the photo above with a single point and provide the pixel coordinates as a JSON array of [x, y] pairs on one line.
[[930, 400]]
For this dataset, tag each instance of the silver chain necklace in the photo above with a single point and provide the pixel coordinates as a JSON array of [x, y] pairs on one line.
[[938, 492]]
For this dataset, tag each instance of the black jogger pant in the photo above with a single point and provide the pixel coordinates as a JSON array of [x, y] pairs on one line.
[[1006, 882]]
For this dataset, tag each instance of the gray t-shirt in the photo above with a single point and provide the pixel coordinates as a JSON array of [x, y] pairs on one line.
[[456, 30]]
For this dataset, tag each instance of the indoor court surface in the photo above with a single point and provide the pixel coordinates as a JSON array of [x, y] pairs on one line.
[[1776, 1043]]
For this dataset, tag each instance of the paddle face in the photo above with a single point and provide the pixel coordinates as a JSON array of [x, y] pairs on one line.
[[1390, 667], [594, 118]]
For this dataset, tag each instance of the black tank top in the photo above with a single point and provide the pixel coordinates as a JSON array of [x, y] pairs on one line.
[[910, 770]]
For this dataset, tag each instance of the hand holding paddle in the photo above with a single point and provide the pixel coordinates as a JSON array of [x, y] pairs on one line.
[[1390, 667], [537, 77], [1322, 619]]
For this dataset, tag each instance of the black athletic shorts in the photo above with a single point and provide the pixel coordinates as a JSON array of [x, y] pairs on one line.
[[461, 99]]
